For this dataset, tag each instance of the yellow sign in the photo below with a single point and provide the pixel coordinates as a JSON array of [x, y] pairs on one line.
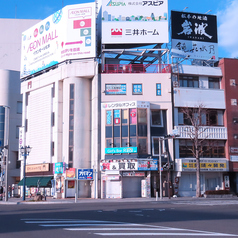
[[206, 166], [37, 168]]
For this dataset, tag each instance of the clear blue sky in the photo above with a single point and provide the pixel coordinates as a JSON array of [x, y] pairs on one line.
[[226, 10]]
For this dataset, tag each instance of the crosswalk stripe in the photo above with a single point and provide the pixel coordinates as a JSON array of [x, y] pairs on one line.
[[118, 229], [101, 228], [87, 224], [75, 221], [163, 234]]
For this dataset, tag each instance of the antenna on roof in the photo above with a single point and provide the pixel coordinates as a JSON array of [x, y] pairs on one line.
[[184, 9], [62, 3], [208, 11]]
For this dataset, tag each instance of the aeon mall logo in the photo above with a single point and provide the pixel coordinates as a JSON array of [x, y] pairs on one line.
[[115, 4]]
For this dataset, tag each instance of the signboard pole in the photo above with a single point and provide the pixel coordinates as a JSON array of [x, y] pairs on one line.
[[160, 172]]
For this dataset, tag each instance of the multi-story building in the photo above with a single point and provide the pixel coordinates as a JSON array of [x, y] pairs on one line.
[[229, 84], [10, 97], [195, 86], [136, 113], [60, 103]]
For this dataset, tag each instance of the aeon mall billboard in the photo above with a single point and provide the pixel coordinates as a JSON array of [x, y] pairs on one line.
[[134, 22], [67, 34]]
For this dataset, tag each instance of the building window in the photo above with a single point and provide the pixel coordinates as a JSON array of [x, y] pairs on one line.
[[155, 146], [234, 102], [26, 125], [53, 90], [53, 119], [17, 131], [18, 162], [52, 148], [71, 123], [210, 148], [158, 89], [208, 117], [232, 82], [126, 128], [214, 83], [27, 98], [189, 81], [19, 107], [156, 118], [137, 89]]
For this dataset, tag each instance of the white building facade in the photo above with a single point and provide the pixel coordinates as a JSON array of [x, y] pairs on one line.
[[10, 98], [59, 127], [136, 112], [196, 86]]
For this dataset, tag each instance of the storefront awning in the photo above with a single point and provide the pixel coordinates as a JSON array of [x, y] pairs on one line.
[[37, 181]]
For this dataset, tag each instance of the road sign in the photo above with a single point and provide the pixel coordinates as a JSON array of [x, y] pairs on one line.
[[85, 174]]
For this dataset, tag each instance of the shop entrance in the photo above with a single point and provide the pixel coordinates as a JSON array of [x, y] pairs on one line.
[[131, 187]]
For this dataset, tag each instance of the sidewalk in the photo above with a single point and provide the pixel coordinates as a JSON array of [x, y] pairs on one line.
[[50, 200]]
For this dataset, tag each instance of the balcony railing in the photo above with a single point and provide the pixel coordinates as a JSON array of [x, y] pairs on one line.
[[205, 132], [136, 68]]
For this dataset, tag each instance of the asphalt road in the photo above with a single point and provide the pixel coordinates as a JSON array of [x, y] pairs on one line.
[[208, 218]]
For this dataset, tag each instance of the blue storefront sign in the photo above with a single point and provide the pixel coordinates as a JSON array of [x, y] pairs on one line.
[[85, 174], [120, 150]]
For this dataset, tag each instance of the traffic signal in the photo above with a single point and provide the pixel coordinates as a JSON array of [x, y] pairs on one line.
[[148, 164]]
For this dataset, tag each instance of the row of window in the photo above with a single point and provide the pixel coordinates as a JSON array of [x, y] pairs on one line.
[[193, 82], [129, 128], [209, 149], [121, 89], [208, 117]]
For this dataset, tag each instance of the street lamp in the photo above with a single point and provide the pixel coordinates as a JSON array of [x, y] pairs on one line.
[[25, 151], [161, 139]]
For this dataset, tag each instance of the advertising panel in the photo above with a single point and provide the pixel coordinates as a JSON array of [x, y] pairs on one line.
[[134, 22], [115, 89], [120, 150], [71, 173], [194, 35], [67, 34], [205, 165], [126, 104], [119, 165], [59, 168], [143, 165], [85, 174]]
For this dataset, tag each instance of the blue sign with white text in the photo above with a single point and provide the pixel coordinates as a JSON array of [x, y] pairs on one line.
[[120, 150], [85, 174]]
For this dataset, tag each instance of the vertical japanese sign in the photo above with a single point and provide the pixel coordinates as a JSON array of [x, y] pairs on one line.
[[137, 21], [194, 35], [67, 34], [21, 141]]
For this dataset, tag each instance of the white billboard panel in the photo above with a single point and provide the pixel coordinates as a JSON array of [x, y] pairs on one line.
[[134, 22], [67, 34], [195, 49]]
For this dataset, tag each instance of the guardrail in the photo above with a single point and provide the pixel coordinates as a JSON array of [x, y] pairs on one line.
[[205, 132], [136, 68]]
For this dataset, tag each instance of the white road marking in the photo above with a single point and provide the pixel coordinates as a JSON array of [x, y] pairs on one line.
[[162, 234], [102, 227]]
